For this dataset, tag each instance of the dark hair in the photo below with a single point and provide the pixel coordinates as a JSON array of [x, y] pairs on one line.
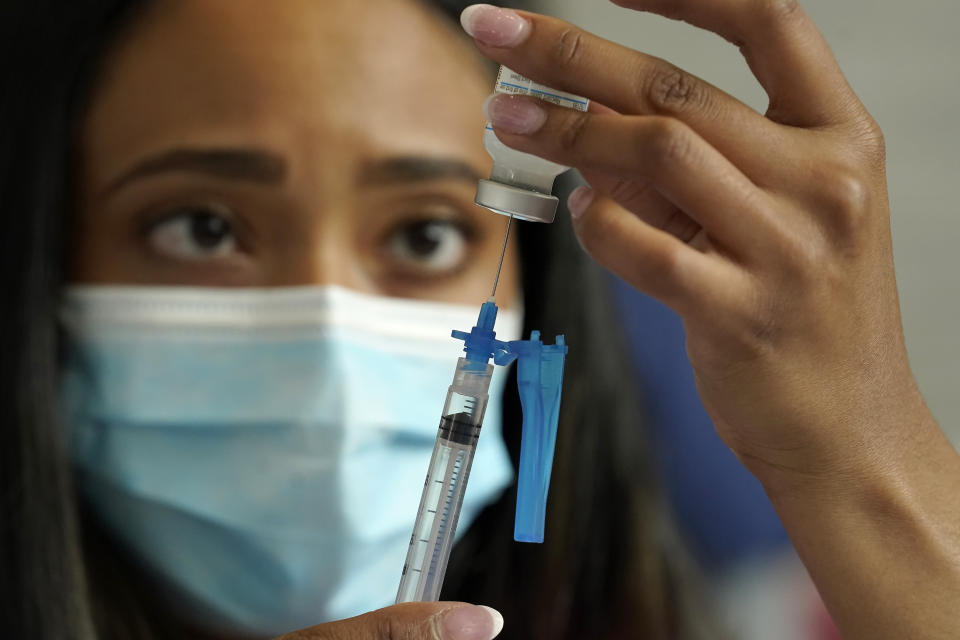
[[47, 49], [610, 567]]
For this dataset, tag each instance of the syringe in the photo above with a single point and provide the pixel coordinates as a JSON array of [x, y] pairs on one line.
[[539, 379], [446, 481], [449, 469]]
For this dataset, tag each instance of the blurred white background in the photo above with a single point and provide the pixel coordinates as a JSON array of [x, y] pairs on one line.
[[903, 59]]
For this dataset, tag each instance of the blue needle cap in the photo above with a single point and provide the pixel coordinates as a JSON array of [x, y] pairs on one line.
[[540, 379]]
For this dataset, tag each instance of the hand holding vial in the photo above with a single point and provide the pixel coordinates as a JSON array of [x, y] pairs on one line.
[[769, 235]]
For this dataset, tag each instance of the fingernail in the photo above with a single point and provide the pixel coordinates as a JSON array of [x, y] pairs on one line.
[[579, 200], [514, 114], [472, 622], [494, 26], [497, 620]]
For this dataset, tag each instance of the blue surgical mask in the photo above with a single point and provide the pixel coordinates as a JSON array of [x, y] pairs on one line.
[[263, 451]]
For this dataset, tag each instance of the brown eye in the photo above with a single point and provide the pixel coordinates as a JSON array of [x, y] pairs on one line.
[[429, 245], [193, 234]]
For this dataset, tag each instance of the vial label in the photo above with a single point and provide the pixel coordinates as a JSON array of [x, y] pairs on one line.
[[509, 81]]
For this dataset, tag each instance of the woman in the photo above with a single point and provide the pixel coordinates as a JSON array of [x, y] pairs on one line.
[[352, 184], [814, 402]]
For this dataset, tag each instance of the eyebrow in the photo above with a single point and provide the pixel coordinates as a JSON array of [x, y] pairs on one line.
[[252, 165], [405, 169]]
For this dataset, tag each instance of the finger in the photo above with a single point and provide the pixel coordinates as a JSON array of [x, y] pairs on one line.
[[411, 621], [596, 107], [565, 57], [641, 198], [683, 167], [651, 260], [784, 49]]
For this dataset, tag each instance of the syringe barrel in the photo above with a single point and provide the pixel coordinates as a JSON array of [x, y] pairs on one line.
[[466, 401], [443, 490]]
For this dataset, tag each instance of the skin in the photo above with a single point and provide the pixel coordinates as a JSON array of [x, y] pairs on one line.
[[279, 164], [312, 158], [769, 234]]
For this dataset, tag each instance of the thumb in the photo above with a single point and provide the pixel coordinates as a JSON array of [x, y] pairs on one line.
[[411, 621]]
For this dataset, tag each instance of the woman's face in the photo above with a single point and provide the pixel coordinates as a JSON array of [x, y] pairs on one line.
[[251, 143]]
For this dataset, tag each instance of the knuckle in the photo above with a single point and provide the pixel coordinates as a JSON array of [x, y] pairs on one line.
[[673, 90], [657, 269], [667, 142], [434, 628], [869, 137], [596, 235], [569, 47], [662, 273], [666, 264], [876, 138], [847, 197], [593, 231], [572, 129], [775, 10]]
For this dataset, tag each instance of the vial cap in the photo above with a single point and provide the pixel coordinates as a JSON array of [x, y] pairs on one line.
[[520, 203]]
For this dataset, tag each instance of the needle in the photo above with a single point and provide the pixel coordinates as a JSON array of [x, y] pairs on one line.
[[503, 252]]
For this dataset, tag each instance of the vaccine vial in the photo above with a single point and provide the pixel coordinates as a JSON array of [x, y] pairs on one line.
[[520, 184]]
